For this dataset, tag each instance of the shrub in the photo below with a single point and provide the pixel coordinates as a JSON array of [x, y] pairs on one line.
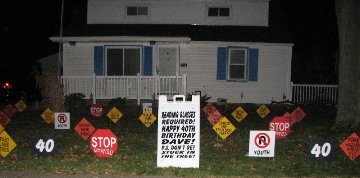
[[117, 102], [75, 101]]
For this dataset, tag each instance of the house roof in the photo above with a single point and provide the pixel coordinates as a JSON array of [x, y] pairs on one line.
[[277, 31]]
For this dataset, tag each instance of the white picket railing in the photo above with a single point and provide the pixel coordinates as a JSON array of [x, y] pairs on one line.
[[131, 87], [307, 93]]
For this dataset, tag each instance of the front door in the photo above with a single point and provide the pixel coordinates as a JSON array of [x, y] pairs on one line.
[[168, 57]]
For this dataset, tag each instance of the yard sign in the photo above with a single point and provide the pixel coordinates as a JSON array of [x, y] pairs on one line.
[[239, 114], [62, 120], [10, 110], [351, 146], [147, 118], [262, 143], [4, 119], [20, 106], [263, 111], [224, 128], [84, 129], [114, 115], [7, 144], [48, 115], [178, 143]]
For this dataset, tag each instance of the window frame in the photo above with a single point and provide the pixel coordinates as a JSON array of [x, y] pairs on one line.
[[123, 60], [245, 64], [218, 12], [137, 10]]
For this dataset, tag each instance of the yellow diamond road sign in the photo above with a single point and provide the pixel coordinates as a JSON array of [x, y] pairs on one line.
[[20, 106], [48, 115], [224, 128], [1, 128], [7, 144], [239, 114], [114, 114], [263, 111], [147, 118]]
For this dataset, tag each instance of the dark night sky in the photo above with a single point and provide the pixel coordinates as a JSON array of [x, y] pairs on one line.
[[26, 26]]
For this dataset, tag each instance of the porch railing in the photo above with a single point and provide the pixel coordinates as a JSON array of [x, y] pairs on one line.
[[131, 87], [306, 93]]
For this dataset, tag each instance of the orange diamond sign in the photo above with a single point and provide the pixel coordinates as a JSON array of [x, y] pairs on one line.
[[351, 146], [4, 119], [298, 114], [84, 129], [209, 108], [214, 117], [10, 110]]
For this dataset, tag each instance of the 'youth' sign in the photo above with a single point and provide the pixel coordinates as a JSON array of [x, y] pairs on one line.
[[178, 142]]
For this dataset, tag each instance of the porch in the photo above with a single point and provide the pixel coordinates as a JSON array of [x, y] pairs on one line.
[[131, 87], [150, 87]]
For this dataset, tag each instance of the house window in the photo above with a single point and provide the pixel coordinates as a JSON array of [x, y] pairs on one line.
[[137, 10], [237, 64], [218, 12], [123, 61]]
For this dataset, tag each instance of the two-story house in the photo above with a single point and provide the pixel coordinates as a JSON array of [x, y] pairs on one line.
[[139, 49]]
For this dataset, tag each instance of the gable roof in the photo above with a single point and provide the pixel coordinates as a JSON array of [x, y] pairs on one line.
[[277, 31]]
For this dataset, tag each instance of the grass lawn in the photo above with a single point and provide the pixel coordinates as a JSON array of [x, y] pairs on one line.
[[138, 145]]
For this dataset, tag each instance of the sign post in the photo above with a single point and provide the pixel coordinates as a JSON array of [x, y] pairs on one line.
[[262, 143], [178, 143]]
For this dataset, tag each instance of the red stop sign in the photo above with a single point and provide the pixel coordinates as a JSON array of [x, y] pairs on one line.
[[96, 110], [104, 143], [281, 126]]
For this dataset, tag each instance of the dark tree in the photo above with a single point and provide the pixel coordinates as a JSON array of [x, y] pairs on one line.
[[348, 18]]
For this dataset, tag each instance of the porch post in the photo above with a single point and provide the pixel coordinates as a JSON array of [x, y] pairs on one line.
[[184, 84], [94, 88], [138, 88]]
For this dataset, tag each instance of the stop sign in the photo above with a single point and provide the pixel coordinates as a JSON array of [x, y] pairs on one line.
[[281, 126], [96, 110], [103, 143]]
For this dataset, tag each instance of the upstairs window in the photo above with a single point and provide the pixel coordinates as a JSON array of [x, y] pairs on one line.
[[219, 12], [137, 10]]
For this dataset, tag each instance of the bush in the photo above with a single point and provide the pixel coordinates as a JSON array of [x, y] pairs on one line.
[[75, 101], [203, 99], [117, 102]]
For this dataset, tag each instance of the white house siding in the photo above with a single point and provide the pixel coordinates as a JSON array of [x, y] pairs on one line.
[[78, 59], [274, 72], [242, 12]]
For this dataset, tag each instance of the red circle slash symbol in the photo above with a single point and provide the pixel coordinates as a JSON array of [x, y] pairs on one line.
[[62, 118], [262, 140]]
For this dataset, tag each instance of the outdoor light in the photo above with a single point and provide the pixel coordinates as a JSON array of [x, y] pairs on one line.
[[6, 85]]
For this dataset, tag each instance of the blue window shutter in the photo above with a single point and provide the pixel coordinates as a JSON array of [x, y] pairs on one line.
[[253, 64], [148, 53], [221, 63], [99, 60]]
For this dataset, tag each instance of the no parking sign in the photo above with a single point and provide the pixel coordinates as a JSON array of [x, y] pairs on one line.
[[262, 143]]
